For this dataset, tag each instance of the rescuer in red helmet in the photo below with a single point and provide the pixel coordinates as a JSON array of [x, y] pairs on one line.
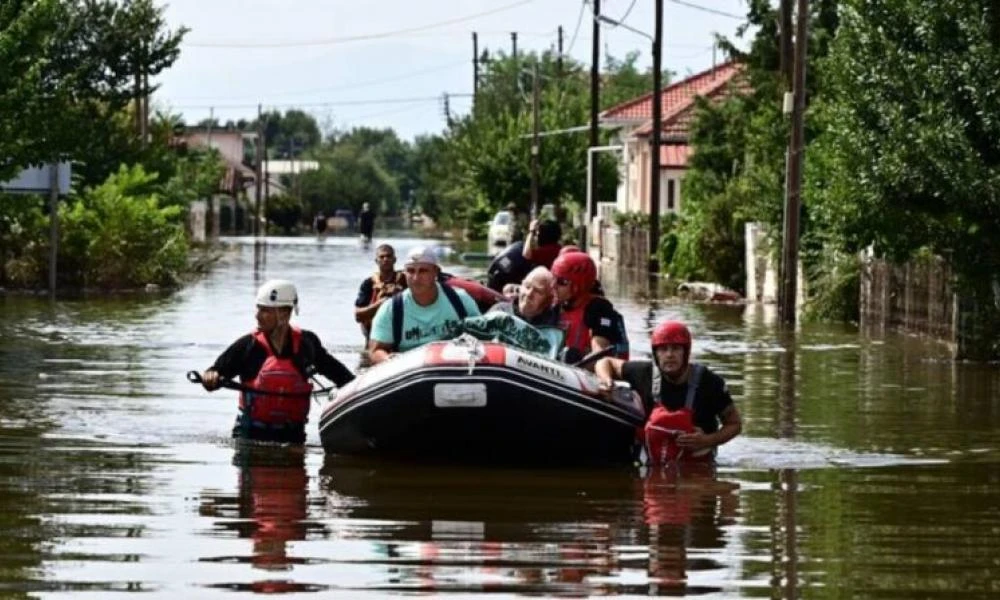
[[591, 323], [688, 407]]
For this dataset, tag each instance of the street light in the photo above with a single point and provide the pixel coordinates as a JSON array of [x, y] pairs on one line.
[[654, 142]]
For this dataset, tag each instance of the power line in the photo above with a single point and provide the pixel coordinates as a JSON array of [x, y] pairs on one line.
[[576, 30], [361, 84], [316, 104], [356, 38], [708, 10], [622, 18]]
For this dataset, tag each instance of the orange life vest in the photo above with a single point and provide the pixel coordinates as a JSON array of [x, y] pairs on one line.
[[385, 288], [664, 425], [291, 404]]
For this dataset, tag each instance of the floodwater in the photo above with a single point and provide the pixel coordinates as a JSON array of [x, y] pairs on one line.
[[868, 468]]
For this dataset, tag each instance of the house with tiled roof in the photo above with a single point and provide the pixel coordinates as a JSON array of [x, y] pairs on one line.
[[633, 121]]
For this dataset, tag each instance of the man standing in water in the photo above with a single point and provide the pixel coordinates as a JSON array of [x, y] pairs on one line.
[[366, 222], [687, 401], [378, 288], [275, 363]]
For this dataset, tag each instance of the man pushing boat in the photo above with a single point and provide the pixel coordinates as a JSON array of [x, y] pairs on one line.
[[274, 364], [688, 407]]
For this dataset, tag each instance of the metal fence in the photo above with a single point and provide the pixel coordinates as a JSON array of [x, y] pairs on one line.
[[628, 246], [915, 297]]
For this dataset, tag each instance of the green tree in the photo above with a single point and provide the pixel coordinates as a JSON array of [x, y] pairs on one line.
[[69, 68], [912, 121], [348, 177]]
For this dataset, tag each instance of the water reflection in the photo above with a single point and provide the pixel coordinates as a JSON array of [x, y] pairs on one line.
[[269, 509], [576, 532]]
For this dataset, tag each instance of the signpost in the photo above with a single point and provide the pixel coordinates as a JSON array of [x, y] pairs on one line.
[[54, 179]]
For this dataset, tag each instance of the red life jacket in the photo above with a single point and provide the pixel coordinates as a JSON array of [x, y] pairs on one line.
[[278, 375], [664, 425], [577, 333]]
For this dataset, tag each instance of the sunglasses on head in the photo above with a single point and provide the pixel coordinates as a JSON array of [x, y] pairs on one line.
[[562, 281], [418, 270]]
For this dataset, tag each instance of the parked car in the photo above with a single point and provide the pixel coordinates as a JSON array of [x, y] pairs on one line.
[[500, 232]]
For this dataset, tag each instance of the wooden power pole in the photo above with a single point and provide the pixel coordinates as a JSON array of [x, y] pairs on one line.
[[793, 172]]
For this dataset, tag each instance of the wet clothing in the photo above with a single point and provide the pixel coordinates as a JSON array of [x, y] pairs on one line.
[[366, 223], [710, 400], [421, 324], [319, 223], [510, 266], [375, 288], [548, 317], [596, 318], [244, 358]]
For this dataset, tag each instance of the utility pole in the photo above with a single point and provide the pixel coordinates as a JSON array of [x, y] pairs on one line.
[[793, 173], [785, 42], [513, 44], [595, 58], [535, 149], [447, 109], [475, 68], [53, 224], [258, 150], [559, 56], [654, 144]]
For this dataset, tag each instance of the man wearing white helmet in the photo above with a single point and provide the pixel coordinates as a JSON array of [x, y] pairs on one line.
[[275, 361], [427, 311]]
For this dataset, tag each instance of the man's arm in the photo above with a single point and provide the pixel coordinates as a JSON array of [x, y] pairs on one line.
[[379, 351], [228, 364], [367, 313], [732, 426], [607, 370], [328, 366], [530, 240]]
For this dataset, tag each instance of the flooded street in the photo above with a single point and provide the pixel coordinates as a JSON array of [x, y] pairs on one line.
[[867, 468]]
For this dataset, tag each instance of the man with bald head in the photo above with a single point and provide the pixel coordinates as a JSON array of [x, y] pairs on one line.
[[535, 300]]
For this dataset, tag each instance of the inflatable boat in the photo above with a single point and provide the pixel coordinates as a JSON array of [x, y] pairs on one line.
[[468, 400]]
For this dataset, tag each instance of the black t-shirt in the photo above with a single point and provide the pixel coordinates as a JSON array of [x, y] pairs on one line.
[[603, 320], [710, 400], [366, 222], [245, 357]]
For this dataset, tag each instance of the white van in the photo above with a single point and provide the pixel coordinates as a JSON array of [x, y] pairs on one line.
[[500, 232]]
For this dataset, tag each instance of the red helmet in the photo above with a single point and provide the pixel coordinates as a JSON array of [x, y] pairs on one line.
[[569, 248], [578, 268], [671, 332]]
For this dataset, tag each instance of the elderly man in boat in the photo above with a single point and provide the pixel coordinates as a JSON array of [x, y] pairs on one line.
[[535, 302], [427, 311]]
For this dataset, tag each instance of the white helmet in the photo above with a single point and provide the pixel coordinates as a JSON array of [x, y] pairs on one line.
[[278, 292]]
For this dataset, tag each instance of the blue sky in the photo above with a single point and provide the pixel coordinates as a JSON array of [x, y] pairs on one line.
[[386, 63]]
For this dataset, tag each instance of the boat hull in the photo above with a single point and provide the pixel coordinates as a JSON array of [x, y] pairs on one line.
[[506, 408]]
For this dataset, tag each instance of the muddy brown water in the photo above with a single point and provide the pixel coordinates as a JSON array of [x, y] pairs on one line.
[[868, 467]]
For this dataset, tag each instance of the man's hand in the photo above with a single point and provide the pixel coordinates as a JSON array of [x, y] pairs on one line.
[[605, 387], [695, 440], [210, 380]]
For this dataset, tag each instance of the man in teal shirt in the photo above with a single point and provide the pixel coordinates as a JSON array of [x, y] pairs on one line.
[[425, 312]]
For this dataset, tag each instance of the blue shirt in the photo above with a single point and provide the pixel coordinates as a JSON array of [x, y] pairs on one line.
[[421, 324]]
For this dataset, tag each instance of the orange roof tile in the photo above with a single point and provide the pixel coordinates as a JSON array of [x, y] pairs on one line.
[[674, 156], [676, 97]]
